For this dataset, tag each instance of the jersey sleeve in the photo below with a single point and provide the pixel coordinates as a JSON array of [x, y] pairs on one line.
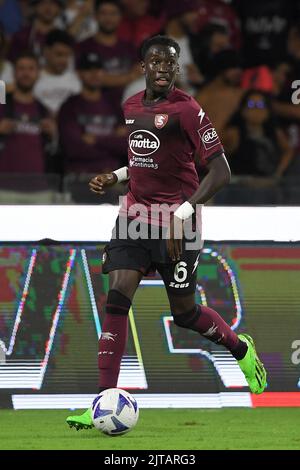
[[201, 133]]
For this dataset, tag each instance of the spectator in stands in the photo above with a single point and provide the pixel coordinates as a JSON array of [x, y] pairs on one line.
[[286, 104], [25, 126], [254, 143], [265, 26], [6, 68], [79, 19], [26, 10], [293, 47], [280, 71], [91, 129], [33, 37], [57, 81], [221, 96], [137, 23], [212, 39], [218, 12], [119, 58], [182, 22], [10, 16]]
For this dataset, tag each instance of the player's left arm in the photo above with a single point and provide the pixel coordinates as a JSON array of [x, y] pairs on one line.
[[218, 176], [203, 137], [206, 143]]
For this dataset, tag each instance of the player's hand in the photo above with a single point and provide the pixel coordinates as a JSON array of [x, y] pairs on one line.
[[102, 181], [174, 238], [7, 126]]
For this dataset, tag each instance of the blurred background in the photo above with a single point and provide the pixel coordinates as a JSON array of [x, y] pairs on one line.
[[69, 64]]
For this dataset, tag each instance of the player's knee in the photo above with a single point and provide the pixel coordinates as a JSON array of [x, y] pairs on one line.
[[187, 319], [117, 303], [125, 282], [180, 304]]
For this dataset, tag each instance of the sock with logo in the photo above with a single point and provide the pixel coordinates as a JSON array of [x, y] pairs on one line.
[[112, 342], [211, 325]]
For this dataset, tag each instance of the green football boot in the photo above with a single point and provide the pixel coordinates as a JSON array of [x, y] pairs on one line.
[[83, 421], [252, 367]]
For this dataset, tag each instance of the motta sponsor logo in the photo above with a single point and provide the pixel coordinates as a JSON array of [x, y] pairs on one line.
[[142, 142], [209, 136]]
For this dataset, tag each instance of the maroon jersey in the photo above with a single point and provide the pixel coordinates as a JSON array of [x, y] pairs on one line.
[[27, 135], [164, 140], [79, 116], [24, 40], [117, 59]]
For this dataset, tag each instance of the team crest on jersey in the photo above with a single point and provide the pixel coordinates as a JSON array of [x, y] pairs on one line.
[[160, 120]]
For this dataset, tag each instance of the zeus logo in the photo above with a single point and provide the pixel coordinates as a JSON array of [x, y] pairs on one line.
[[295, 358]]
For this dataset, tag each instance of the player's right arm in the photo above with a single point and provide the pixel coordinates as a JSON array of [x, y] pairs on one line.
[[99, 183]]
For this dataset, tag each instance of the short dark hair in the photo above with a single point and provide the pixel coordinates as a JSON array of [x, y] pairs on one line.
[[57, 36], [26, 55], [158, 40], [99, 3]]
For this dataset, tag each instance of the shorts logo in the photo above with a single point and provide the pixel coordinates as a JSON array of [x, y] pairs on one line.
[[177, 285], [160, 120], [143, 142], [104, 257]]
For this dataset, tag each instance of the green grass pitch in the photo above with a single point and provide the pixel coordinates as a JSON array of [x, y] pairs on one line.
[[166, 429]]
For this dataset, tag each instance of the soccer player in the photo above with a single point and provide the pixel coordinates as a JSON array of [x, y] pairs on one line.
[[167, 130]]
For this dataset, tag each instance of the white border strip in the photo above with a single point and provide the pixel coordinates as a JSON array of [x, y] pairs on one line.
[[95, 223], [176, 400], [91, 292]]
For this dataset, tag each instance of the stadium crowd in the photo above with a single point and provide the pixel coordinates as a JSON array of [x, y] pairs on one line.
[[69, 64]]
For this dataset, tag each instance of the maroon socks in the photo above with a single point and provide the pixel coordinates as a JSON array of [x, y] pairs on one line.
[[112, 342], [211, 325]]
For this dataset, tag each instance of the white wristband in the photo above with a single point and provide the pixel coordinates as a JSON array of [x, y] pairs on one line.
[[184, 211], [121, 174]]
